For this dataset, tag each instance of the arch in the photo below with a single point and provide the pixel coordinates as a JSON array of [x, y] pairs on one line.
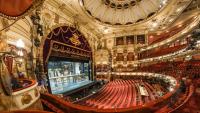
[[68, 42], [54, 27]]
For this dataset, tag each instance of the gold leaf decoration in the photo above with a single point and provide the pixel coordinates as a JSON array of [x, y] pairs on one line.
[[26, 99], [74, 40]]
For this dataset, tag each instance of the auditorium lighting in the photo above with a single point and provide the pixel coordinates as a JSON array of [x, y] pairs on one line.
[[164, 2], [20, 44], [189, 35], [180, 25], [106, 31], [20, 53], [154, 24], [164, 27], [198, 42], [170, 20], [179, 9], [20, 60], [188, 56]]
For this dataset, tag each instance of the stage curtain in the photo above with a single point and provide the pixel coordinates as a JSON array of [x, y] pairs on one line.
[[15, 8], [8, 60]]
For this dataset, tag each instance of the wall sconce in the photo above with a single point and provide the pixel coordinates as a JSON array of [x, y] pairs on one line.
[[20, 45], [20, 53]]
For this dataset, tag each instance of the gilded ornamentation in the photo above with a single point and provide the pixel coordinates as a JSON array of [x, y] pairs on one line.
[[74, 40], [26, 99], [119, 7], [66, 41], [65, 48], [36, 92]]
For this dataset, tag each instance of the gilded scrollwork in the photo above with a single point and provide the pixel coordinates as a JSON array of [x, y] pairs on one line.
[[74, 40], [26, 98]]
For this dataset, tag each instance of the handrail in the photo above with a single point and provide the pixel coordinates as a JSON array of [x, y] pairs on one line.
[[184, 32], [33, 82], [55, 109], [191, 91], [89, 95], [173, 31], [161, 52]]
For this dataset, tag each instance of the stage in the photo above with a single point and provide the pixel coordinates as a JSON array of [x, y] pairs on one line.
[[65, 88]]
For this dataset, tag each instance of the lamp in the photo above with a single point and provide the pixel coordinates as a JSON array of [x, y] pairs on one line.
[[20, 44], [20, 53]]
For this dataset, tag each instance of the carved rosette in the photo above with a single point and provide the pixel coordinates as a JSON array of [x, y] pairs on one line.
[[26, 98]]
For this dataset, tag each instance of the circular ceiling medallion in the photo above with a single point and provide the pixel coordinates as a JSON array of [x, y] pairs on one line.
[[120, 4], [121, 12]]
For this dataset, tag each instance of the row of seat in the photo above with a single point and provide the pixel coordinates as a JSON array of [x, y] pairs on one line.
[[189, 68], [122, 94], [178, 105], [160, 52]]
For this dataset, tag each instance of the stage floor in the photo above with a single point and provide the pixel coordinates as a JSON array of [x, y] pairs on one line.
[[69, 87]]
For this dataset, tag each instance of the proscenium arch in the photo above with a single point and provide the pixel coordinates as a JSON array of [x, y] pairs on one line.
[[63, 35], [66, 43], [54, 27]]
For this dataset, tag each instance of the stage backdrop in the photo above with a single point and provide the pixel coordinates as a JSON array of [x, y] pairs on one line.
[[67, 42]]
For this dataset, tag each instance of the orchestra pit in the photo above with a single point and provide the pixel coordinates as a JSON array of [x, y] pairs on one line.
[[99, 56]]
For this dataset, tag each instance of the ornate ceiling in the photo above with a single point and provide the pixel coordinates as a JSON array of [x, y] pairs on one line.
[[101, 17], [122, 12], [110, 18]]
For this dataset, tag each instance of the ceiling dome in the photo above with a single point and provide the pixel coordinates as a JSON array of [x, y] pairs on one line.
[[121, 12], [120, 4]]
